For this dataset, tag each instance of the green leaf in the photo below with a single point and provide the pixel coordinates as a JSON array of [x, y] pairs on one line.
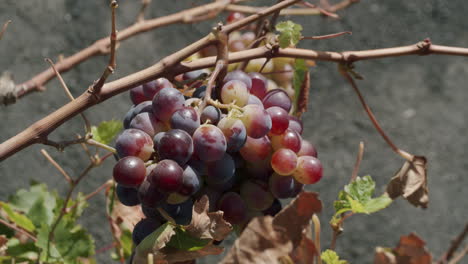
[[126, 242], [70, 242], [357, 198], [106, 131], [37, 203], [290, 33], [19, 219], [300, 71], [182, 240], [19, 250], [330, 257], [156, 240]]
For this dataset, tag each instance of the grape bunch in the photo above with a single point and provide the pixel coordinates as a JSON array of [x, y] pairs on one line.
[[245, 151]]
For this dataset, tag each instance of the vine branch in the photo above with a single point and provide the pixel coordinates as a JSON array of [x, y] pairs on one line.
[[172, 65], [456, 243], [4, 28]]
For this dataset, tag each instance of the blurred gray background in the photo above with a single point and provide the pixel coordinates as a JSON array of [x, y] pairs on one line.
[[420, 102]]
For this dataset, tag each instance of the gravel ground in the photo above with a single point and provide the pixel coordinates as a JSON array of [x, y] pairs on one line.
[[420, 101]]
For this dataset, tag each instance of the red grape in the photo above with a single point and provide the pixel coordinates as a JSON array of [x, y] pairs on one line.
[[284, 161], [256, 120], [166, 102], [234, 131], [234, 208], [134, 142], [295, 124], [309, 170], [289, 139], [148, 123], [130, 171], [307, 149], [277, 97], [259, 84], [176, 145], [279, 120], [186, 119], [209, 143], [256, 195], [167, 176], [281, 187], [137, 96], [256, 149], [150, 89], [240, 76]]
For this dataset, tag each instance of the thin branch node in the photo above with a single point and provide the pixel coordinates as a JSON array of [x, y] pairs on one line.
[[424, 46]]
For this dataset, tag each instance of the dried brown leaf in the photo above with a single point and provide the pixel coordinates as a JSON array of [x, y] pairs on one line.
[[173, 255], [3, 245], [411, 250], [7, 88], [306, 252], [153, 244], [266, 239], [410, 182], [384, 256], [129, 216], [207, 225], [303, 98], [261, 242], [295, 217]]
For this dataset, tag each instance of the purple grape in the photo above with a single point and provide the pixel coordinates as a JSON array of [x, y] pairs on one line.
[[255, 100], [137, 96], [167, 176], [295, 124], [186, 119], [234, 208], [127, 195], [234, 131], [256, 149], [240, 76], [129, 171], [128, 118], [166, 102], [181, 213], [256, 195], [190, 182], [176, 145], [134, 142], [256, 120], [157, 139], [221, 170], [212, 194], [278, 98], [150, 89], [143, 229], [281, 187], [148, 123], [211, 114], [259, 84], [209, 143], [279, 120], [149, 194]]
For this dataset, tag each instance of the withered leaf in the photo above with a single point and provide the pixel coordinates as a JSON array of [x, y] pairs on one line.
[[261, 242], [207, 225], [173, 255], [384, 256], [129, 216], [411, 250], [306, 252], [153, 243], [410, 182], [296, 216], [266, 239], [3, 245]]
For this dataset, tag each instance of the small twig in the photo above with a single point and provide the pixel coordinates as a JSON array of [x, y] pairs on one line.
[[329, 36], [141, 14], [96, 88], [92, 194], [347, 76], [60, 146], [4, 28], [67, 91], [322, 10], [57, 166], [358, 162], [457, 257], [316, 222], [456, 243], [338, 229], [19, 230], [93, 142]]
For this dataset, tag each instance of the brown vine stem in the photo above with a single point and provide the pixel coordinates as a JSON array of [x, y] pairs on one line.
[[337, 231], [57, 166], [456, 243], [18, 229], [316, 222], [344, 70], [457, 257], [358, 162], [172, 65], [292, 11], [329, 36], [141, 14], [101, 47], [4, 28]]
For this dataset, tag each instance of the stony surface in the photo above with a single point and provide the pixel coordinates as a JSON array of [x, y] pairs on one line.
[[420, 101]]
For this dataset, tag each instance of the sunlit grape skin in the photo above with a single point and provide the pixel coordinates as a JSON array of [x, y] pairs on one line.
[[256, 149], [279, 120], [167, 176], [209, 143], [277, 97], [234, 131], [166, 102], [256, 195], [234, 208], [210, 114], [236, 92], [309, 170], [289, 139], [134, 142], [176, 145], [129, 171], [150, 89], [284, 161], [256, 120], [137, 96]]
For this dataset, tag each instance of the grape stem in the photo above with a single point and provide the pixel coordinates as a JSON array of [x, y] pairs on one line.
[[173, 64], [358, 162], [141, 14], [316, 222], [329, 36], [4, 28], [18, 229], [344, 70], [456, 243]]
